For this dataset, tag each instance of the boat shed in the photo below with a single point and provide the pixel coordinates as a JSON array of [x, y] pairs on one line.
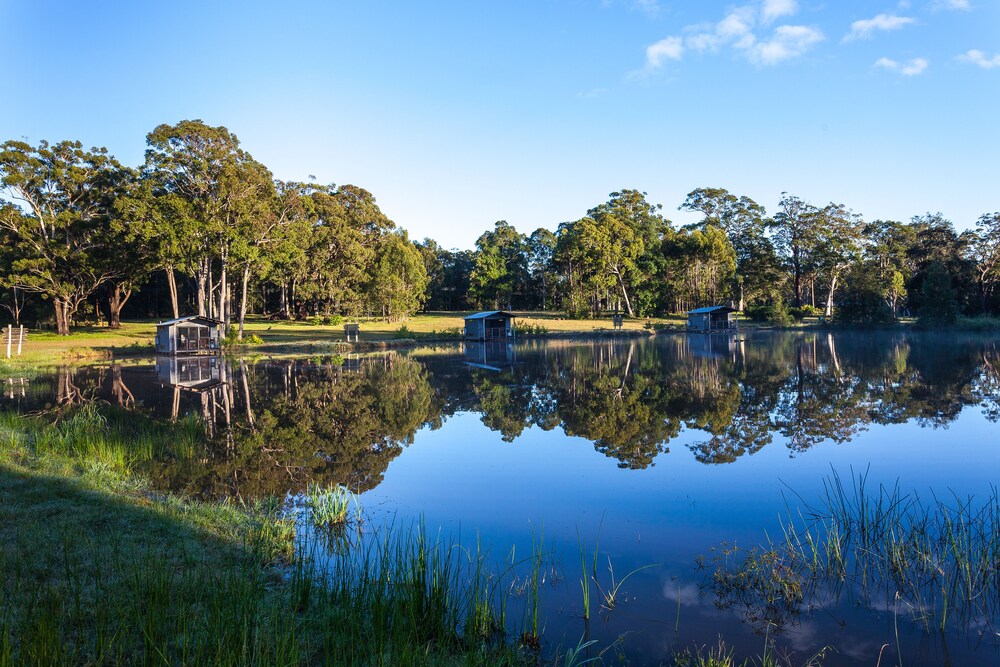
[[194, 334], [490, 325], [713, 319]]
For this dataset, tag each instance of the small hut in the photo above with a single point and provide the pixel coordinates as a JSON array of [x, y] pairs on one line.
[[713, 319], [490, 325], [194, 334]]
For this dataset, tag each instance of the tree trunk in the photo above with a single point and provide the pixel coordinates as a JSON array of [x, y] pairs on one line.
[[828, 311], [172, 285], [117, 298], [61, 327], [204, 283], [628, 304], [243, 301]]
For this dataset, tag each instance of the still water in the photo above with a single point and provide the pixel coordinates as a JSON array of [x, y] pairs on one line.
[[661, 452]]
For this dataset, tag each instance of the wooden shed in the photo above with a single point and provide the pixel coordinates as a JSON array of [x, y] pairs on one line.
[[193, 334], [713, 319], [490, 325]]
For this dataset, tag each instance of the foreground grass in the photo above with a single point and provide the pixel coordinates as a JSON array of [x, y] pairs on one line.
[[97, 569]]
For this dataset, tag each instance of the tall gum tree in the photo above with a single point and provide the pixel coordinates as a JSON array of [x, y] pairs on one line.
[[60, 224]]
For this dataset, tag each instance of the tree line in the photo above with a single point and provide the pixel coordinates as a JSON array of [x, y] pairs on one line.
[[625, 256], [80, 234]]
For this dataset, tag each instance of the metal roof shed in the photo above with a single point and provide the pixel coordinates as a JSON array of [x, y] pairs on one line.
[[713, 319], [194, 334], [490, 325]]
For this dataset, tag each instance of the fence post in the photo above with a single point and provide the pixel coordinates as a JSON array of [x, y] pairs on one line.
[[20, 340], [10, 335]]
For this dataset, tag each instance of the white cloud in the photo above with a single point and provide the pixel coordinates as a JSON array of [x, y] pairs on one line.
[[977, 57], [864, 28], [744, 29], [908, 68], [670, 48], [788, 41], [775, 9], [963, 5]]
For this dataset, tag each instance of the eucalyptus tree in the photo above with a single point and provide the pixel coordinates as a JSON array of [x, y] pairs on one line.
[[984, 251], [937, 242], [541, 245], [63, 201], [837, 233], [647, 226], [886, 243], [218, 186], [398, 281], [743, 221], [501, 267], [794, 231]]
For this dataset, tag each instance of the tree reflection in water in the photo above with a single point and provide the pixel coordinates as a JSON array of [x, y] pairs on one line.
[[272, 426]]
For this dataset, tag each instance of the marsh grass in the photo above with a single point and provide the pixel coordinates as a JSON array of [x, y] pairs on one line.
[[331, 506], [940, 558], [98, 569]]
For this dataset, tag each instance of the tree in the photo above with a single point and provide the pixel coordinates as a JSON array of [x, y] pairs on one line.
[[217, 185], [541, 246], [795, 237], [939, 306], [399, 280], [984, 251], [610, 251], [837, 234], [862, 300], [742, 219], [64, 203], [501, 268]]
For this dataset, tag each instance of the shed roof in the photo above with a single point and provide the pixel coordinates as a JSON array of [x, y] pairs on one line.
[[712, 309], [488, 313], [189, 318]]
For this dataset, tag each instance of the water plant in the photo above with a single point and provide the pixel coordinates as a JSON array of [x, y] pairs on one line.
[[940, 559], [331, 506]]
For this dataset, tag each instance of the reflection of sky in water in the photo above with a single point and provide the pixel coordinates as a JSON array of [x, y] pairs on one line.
[[462, 477]]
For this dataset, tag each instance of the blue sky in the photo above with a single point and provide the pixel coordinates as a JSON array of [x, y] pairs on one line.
[[458, 114]]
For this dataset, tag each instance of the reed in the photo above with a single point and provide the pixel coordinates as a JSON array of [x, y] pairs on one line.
[[941, 558]]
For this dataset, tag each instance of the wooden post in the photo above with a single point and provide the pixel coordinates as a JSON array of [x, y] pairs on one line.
[[20, 340], [10, 336]]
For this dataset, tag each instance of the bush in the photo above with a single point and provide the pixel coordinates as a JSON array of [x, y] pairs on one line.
[[805, 311], [525, 329], [775, 312], [333, 320]]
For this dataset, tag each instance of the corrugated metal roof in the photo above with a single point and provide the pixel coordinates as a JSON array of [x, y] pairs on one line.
[[711, 309], [188, 318], [488, 313]]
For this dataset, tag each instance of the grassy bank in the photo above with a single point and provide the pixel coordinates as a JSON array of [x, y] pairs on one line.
[[96, 568]]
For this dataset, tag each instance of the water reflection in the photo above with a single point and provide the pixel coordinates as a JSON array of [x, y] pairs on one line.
[[274, 424]]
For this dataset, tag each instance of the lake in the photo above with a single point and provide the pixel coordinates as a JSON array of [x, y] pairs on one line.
[[671, 456]]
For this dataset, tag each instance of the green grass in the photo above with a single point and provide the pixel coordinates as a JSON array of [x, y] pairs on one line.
[[98, 568]]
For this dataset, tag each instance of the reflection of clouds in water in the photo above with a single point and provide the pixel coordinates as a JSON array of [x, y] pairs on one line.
[[687, 594]]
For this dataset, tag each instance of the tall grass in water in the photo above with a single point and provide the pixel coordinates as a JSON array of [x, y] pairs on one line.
[[103, 572], [331, 506], [941, 558]]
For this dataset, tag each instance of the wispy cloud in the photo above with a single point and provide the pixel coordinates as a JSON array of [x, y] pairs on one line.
[[670, 48], [788, 41], [745, 29], [907, 68], [592, 93], [961, 5], [864, 28], [977, 57], [650, 7], [775, 9]]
